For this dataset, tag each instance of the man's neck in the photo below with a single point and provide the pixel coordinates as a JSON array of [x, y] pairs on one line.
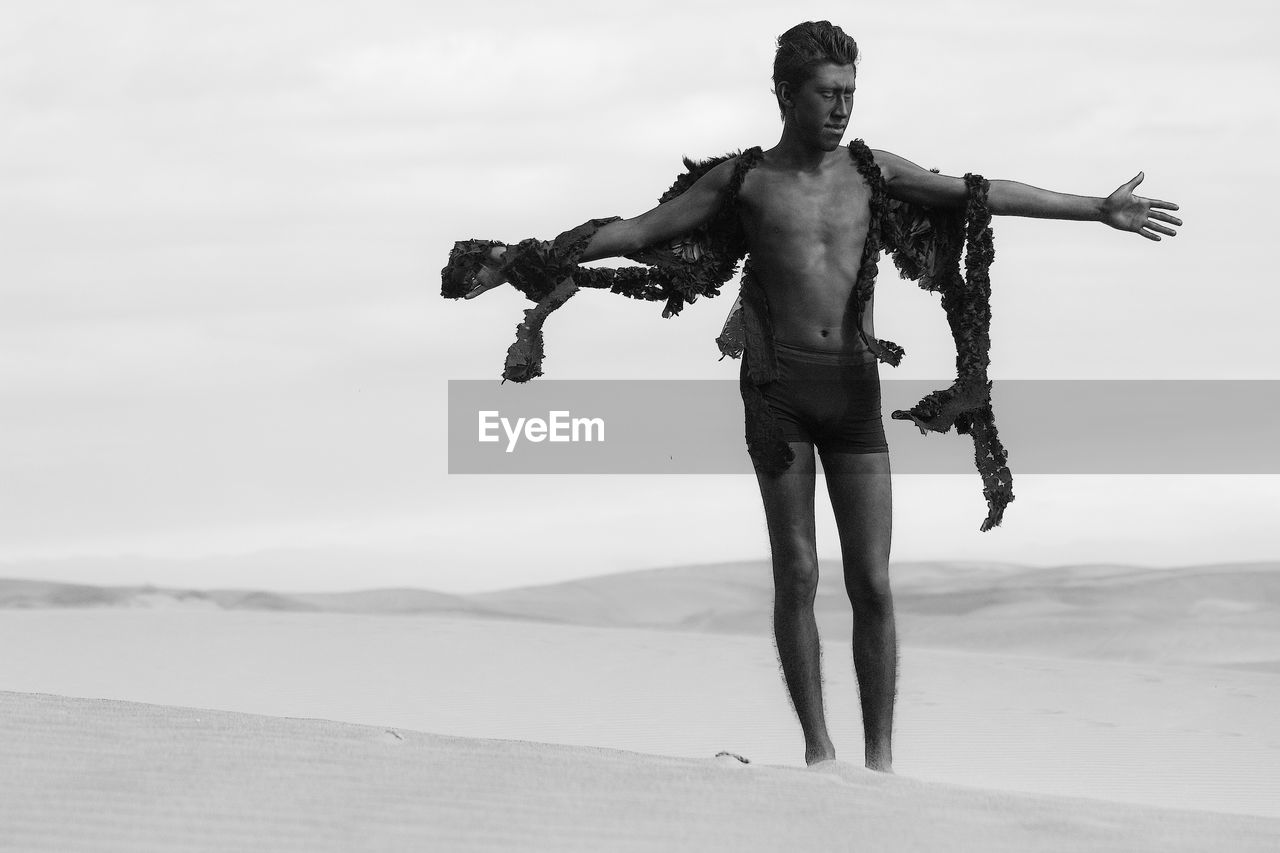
[[797, 154]]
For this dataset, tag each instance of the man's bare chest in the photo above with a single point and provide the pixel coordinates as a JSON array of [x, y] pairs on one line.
[[786, 211]]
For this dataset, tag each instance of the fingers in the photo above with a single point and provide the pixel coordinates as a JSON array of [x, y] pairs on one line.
[[1149, 235], [1164, 217], [1160, 229], [1168, 205], [488, 276], [484, 279], [481, 285], [1137, 179]]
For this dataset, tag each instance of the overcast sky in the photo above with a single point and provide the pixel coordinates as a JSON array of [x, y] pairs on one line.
[[223, 349]]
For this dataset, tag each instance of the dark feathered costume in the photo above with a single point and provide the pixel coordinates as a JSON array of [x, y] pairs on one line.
[[926, 245]]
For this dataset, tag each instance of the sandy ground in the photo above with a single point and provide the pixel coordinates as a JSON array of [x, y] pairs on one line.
[[99, 775], [586, 716]]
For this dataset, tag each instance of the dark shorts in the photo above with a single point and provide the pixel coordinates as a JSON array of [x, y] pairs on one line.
[[831, 400]]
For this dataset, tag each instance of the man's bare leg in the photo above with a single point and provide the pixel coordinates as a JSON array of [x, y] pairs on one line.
[[788, 508], [862, 498]]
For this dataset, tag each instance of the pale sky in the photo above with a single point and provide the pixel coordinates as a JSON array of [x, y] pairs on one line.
[[223, 353]]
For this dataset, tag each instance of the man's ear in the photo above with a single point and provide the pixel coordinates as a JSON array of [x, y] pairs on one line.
[[784, 93]]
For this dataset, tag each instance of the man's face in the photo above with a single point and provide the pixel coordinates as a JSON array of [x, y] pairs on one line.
[[821, 105]]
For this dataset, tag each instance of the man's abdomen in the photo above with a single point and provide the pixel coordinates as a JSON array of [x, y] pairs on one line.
[[818, 315]]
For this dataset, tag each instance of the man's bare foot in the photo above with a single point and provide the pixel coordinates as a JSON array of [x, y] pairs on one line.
[[842, 770], [881, 767]]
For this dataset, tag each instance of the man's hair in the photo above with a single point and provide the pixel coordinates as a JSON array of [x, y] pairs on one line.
[[805, 46]]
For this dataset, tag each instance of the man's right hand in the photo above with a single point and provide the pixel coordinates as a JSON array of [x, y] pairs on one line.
[[490, 275]]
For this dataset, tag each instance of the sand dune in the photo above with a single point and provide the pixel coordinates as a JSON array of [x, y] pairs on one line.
[[1126, 688], [143, 777], [1179, 736]]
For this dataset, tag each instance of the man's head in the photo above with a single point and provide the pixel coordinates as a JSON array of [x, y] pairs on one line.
[[806, 46], [814, 72]]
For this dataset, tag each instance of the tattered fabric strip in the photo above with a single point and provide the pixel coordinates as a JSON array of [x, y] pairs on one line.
[[967, 303]]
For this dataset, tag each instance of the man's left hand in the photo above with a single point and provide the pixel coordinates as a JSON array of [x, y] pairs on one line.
[[1128, 212]]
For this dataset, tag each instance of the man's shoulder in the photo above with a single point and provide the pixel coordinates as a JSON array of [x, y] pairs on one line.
[[716, 173], [883, 160], [725, 164]]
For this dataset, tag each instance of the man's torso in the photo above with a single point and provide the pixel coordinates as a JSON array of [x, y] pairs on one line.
[[805, 233]]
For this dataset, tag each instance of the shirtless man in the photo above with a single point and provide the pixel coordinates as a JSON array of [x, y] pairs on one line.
[[805, 211]]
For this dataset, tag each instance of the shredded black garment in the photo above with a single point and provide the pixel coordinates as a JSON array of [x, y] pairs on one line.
[[926, 245]]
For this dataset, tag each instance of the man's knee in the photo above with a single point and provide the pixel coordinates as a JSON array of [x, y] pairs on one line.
[[795, 581], [868, 588]]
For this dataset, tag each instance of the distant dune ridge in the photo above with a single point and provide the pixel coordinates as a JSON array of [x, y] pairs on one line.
[[1224, 615]]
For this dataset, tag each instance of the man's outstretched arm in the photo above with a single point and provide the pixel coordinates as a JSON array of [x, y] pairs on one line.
[[1122, 209], [678, 216]]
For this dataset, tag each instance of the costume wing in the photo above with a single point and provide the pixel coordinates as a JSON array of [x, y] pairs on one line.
[[676, 272]]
